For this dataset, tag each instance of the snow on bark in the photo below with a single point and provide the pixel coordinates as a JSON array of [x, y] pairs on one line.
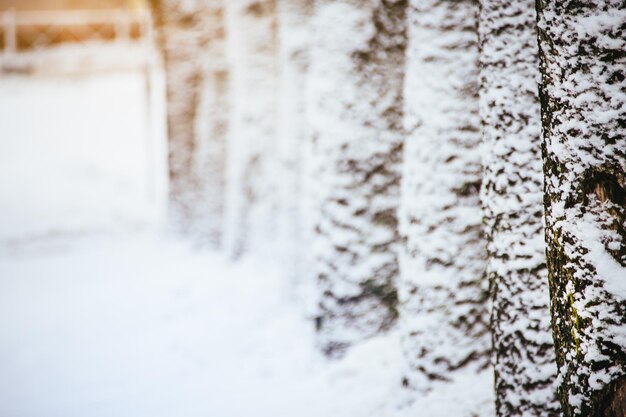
[[583, 98], [251, 204], [443, 291], [192, 39], [209, 159], [512, 196], [295, 226], [356, 114]]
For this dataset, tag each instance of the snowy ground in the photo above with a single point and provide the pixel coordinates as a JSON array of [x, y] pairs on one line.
[[80, 153], [139, 325]]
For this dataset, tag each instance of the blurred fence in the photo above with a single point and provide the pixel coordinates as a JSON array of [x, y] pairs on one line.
[[34, 40], [28, 30]]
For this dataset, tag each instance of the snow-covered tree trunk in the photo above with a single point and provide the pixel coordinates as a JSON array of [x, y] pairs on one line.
[[512, 195], [294, 137], [356, 99], [209, 160], [252, 172], [583, 103], [192, 39], [443, 291]]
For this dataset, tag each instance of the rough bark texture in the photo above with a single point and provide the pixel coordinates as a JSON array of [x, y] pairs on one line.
[[294, 137], [356, 99], [192, 38], [583, 99], [512, 195], [444, 291], [252, 160]]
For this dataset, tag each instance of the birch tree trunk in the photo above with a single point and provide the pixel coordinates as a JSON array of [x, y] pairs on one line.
[[512, 196], [356, 99], [252, 170], [192, 40], [444, 291], [583, 102]]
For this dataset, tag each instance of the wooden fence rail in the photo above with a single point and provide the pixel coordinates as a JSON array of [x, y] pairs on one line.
[[27, 30]]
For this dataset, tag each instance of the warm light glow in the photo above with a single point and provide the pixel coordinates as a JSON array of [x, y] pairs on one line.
[[72, 4]]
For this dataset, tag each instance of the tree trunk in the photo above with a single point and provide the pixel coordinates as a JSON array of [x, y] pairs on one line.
[[192, 39], [444, 291], [583, 103], [252, 164], [356, 99], [512, 193], [209, 162], [294, 137]]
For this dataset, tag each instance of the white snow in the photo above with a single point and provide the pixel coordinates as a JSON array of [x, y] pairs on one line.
[[103, 315], [79, 153], [136, 324], [609, 271]]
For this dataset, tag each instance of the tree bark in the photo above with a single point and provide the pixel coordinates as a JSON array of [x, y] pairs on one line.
[[583, 103], [252, 172], [192, 38], [512, 193], [444, 291], [356, 100]]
